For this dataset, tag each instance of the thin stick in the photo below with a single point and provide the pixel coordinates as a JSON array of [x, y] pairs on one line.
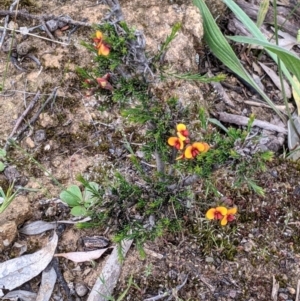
[[47, 30], [26, 15], [20, 119], [37, 114], [159, 163], [168, 292], [241, 120], [298, 290], [40, 37], [6, 22]]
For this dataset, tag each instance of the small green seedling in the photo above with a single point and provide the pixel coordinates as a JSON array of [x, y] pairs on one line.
[[7, 198], [80, 202], [2, 159]]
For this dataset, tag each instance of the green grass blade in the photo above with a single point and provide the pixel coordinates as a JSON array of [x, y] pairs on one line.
[[222, 50], [255, 31], [262, 12], [291, 61]]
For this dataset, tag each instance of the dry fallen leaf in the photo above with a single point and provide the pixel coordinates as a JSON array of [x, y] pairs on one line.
[[37, 228], [17, 271], [82, 256], [20, 295], [276, 80], [47, 285], [109, 276]]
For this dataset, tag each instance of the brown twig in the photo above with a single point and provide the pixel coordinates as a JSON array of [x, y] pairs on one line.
[[168, 292], [221, 91], [21, 118], [26, 15], [298, 290], [50, 35], [159, 162], [241, 120], [37, 114], [6, 21]]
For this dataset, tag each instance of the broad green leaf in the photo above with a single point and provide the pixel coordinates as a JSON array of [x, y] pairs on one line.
[[252, 28], [78, 211], [222, 50], [2, 153], [2, 166], [90, 193], [291, 61], [72, 196], [262, 12]]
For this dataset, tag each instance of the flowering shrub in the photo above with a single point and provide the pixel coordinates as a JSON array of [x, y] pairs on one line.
[[222, 213], [191, 151], [103, 49]]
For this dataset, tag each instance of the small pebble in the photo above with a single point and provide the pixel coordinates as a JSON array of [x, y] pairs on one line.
[[81, 289], [29, 142], [291, 290], [40, 135], [283, 296], [12, 25], [23, 48]]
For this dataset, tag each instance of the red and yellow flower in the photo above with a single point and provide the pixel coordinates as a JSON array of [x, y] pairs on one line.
[[100, 45], [216, 213], [229, 216], [195, 149], [176, 142], [182, 138], [221, 213], [182, 131]]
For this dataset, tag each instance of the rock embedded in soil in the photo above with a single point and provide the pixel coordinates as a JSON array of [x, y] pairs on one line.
[[81, 289], [15, 214], [155, 19], [94, 242]]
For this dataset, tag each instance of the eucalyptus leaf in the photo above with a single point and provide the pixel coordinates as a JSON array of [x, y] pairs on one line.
[[72, 196], [19, 270], [2, 166], [78, 211]]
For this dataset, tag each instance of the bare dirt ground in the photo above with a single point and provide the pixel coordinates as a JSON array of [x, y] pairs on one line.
[[72, 136]]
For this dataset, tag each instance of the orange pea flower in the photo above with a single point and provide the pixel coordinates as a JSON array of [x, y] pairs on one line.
[[182, 132], [229, 216], [216, 213], [98, 37], [101, 46], [195, 149], [176, 142]]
